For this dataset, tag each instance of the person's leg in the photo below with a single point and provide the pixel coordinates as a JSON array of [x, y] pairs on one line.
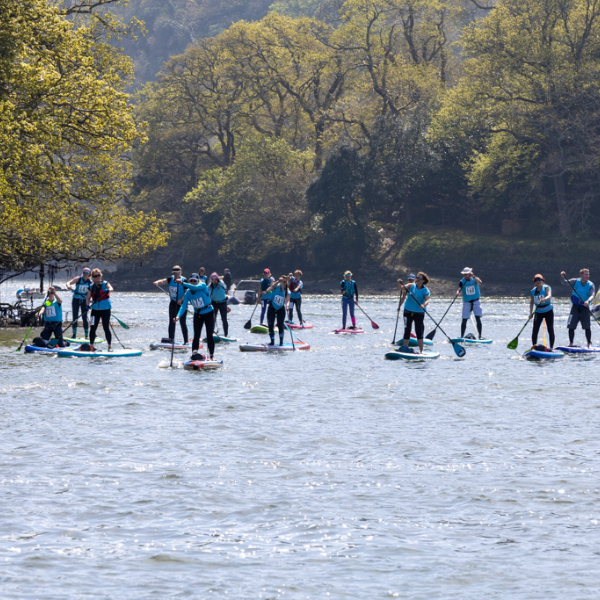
[[588, 336], [75, 306], [173, 310], [344, 311], [478, 314], [584, 319], [281, 324], [265, 304], [537, 321], [197, 329], [291, 310], [46, 332], [94, 322], [466, 313], [298, 303], [420, 329], [549, 316], [106, 327], [479, 326], [271, 323], [572, 323], [184, 327], [209, 321], [408, 321], [58, 334], [351, 307], [223, 310], [84, 318]]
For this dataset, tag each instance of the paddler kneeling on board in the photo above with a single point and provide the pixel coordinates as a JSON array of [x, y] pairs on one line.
[[583, 294], [541, 297], [278, 292], [418, 296], [53, 317], [469, 285], [198, 295], [349, 290]]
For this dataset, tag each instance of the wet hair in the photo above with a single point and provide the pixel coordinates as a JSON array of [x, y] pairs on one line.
[[425, 277]]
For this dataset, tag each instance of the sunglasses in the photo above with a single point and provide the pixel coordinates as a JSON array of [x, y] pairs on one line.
[[193, 280], [94, 276], [420, 278], [538, 279], [176, 271]]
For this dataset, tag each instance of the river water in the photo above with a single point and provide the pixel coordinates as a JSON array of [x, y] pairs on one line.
[[331, 473]]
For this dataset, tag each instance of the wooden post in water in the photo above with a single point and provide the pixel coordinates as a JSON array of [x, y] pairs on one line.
[[42, 277]]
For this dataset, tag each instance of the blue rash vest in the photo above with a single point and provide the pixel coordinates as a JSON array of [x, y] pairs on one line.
[[584, 291], [278, 297], [202, 278], [218, 291], [176, 290], [412, 305], [542, 307], [470, 289], [199, 297], [53, 312], [100, 296], [265, 283], [81, 289], [298, 285], [348, 288]]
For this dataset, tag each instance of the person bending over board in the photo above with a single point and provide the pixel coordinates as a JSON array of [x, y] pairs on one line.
[[278, 291], [176, 292], [52, 312], [583, 293], [198, 295], [349, 290], [264, 296], [417, 298], [98, 298], [295, 286], [469, 285], [82, 285], [541, 298]]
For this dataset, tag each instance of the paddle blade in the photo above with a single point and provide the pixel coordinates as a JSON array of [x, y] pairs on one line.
[[431, 334], [374, 325], [512, 345], [459, 350], [248, 324]]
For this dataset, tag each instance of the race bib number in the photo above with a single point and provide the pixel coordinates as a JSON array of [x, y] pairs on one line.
[[173, 292], [197, 303], [470, 289], [537, 299], [278, 301], [51, 311], [82, 289]]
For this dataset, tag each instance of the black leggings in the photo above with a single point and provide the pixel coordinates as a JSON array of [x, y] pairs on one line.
[[208, 320], [463, 326], [53, 327], [537, 322], [273, 314], [97, 316], [298, 303], [418, 319], [78, 304], [173, 310], [222, 308]]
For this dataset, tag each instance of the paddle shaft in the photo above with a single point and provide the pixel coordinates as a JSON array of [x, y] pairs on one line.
[[582, 300], [432, 334], [373, 324], [516, 339], [291, 336], [248, 324], [31, 326], [397, 318]]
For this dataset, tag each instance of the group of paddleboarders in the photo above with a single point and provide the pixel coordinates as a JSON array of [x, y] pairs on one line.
[[90, 293]]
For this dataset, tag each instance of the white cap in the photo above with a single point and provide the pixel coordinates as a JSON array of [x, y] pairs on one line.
[[466, 271]]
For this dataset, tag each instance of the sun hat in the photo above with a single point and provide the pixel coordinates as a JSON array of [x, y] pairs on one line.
[[412, 276], [214, 276], [466, 271], [194, 276], [348, 273]]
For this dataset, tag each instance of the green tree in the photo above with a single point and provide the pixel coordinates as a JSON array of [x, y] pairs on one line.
[[65, 128]]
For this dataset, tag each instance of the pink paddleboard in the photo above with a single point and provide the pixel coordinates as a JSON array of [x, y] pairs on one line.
[[297, 326], [348, 331]]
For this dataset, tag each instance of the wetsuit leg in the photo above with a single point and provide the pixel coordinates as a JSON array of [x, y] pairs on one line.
[[588, 335], [209, 321], [537, 321], [463, 327], [75, 306], [344, 311], [184, 327], [197, 324], [419, 319], [291, 310], [47, 331], [298, 303], [95, 321], [84, 318], [271, 322], [351, 307], [408, 321], [549, 316], [479, 325], [58, 334], [173, 310], [281, 324], [106, 325], [222, 308]]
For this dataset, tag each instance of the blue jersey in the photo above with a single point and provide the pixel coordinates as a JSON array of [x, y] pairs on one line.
[[348, 288], [298, 285], [176, 290], [52, 312], [82, 287], [412, 305], [100, 296], [470, 289], [218, 291], [538, 299], [265, 283], [202, 278], [583, 292], [199, 297], [278, 297]]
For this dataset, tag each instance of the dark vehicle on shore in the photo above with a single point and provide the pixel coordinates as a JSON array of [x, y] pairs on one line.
[[245, 292]]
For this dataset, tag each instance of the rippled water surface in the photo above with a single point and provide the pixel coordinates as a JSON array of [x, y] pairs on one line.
[[329, 473]]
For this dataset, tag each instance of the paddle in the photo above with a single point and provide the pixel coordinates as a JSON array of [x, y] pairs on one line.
[[123, 325], [115, 334], [397, 317], [172, 350], [32, 324], [291, 335], [512, 345], [431, 334], [458, 349], [582, 300], [248, 324], [373, 324]]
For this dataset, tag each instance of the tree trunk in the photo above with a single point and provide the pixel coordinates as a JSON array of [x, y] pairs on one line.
[[42, 272], [561, 205]]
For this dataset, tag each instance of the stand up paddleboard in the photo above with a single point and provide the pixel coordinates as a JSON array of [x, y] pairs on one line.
[[259, 329], [276, 348], [105, 353], [413, 342], [543, 355], [399, 355], [578, 350], [31, 349], [221, 338], [80, 340], [179, 347], [470, 341], [298, 326], [202, 365], [348, 331]]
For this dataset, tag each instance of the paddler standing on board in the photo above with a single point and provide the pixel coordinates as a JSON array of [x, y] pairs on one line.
[[176, 292], [349, 291], [98, 299], [278, 291], [295, 286], [541, 298], [264, 296], [82, 285], [583, 294], [469, 286], [417, 299]]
